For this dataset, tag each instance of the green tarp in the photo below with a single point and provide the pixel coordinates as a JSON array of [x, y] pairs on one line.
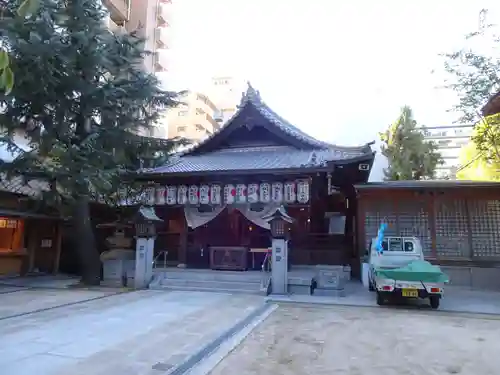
[[418, 270]]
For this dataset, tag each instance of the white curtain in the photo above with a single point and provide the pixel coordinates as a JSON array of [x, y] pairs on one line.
[[256, 216], [195, 218]]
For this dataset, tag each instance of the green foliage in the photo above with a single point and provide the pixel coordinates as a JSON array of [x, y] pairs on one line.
[[474, 168], [81, 96], [475, 76], [409, 155]]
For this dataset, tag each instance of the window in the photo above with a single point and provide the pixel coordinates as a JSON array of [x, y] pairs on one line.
[[200, 111], [182, 113], [398, 244], [181, 129]]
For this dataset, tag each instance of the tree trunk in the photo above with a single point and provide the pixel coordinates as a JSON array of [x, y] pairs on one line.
[[85, 243]]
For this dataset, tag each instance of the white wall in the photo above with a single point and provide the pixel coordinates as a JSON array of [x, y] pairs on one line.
[[380, 163]]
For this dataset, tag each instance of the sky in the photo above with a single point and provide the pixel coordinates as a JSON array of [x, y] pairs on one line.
[[339, 70]]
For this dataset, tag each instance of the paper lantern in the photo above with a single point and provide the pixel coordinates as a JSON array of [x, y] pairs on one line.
[[229, 194], [277, 192], [215, 192], [253, 193], [303, 191], [289, 194], [182, 194], [265, 192], [160, 195], [171, 195], [193, 197], [204, 194], [241, 193]]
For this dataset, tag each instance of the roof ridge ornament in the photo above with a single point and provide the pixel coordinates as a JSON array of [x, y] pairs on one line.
[[250, 95]]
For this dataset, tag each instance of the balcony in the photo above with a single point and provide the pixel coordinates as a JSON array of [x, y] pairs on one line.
[[162, 37], [163, 14], [118, 9], [161, 61]]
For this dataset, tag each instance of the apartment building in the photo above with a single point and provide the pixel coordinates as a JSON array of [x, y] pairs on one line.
[[225, 92], [450, 140], [152, 19], [193, 120]]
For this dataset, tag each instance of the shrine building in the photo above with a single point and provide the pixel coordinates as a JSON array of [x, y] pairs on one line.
[[214, 196]]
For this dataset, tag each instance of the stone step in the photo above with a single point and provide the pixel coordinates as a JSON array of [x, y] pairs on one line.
[[211, 284], [211, 275], [202, 289]]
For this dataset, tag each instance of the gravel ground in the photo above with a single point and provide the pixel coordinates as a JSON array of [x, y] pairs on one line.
[[367, 341]]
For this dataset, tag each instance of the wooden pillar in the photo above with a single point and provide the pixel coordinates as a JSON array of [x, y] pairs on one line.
[[57, 246], [183, 241], [32, 243], [431, 209]]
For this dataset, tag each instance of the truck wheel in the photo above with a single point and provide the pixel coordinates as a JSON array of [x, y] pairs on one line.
[[380, 299], [371, 288], [434, 300]]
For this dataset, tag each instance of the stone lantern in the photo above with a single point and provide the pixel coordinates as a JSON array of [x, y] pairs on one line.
[[278, 221], [144, 223]]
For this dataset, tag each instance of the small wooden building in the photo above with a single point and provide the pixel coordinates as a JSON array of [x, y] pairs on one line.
[[30, 237], [213, 197], [458, 222]]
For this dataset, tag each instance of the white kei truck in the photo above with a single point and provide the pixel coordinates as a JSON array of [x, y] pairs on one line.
[[400, 272]]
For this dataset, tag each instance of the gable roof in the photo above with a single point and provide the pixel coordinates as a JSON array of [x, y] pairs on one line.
[[305, 152], [252, 97]]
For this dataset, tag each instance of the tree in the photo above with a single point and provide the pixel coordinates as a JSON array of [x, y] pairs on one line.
[[82, 96], [409, 155], [474, 74], [473, 167]]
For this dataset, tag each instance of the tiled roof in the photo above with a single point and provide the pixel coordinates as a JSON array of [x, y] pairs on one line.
[[258, 158], [314, 153], [16, 185], [252, 97]]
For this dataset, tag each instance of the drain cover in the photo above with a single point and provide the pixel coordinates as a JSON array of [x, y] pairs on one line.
[[160, 366]]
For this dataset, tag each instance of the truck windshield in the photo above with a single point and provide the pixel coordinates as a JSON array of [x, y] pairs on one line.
[[398, 244]]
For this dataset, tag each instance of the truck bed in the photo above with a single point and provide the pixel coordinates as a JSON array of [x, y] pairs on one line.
[[416, 271]]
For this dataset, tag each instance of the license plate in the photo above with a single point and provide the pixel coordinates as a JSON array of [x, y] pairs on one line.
[[410, 292]]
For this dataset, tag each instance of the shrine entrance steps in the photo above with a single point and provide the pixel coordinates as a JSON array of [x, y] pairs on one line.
[[245, 282]]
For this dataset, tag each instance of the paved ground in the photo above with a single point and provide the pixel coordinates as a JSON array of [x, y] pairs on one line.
[[121, 334], [367, 341], [455, 299]]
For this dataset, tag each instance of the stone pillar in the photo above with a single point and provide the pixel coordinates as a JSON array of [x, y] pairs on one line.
[[144, 262], [279, 273]]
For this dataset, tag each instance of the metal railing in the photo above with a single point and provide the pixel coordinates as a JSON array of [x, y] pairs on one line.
[[163, 255], [266, 271]]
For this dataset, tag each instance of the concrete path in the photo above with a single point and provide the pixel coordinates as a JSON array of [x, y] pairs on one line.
[[455, 299], [145, 332]]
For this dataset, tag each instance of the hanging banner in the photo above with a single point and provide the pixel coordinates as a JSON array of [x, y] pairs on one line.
[[215, 193], [171, 195], [182, 194], [289, 195], [204, 194], [277, 192], [229, 194], [160, 195], [265, 192], [193, 194], [253, 193]]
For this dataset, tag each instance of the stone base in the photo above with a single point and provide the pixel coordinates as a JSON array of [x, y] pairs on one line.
[[329, 292], [300, 285]]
